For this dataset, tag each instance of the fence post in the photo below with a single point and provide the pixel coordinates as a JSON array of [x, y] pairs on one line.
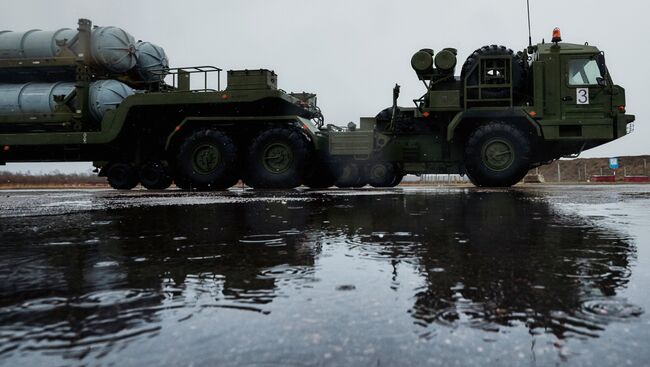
[[578, 173]]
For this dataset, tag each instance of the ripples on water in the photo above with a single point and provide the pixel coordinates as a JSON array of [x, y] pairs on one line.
[[86, 285]]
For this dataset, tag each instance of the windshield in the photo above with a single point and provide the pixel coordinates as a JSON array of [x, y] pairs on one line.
[[584, 72]]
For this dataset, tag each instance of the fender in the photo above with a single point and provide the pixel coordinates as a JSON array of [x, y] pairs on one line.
[[503, 114], [306, 125]]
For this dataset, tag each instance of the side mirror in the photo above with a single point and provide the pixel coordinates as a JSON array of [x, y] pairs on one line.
[[601, 81]]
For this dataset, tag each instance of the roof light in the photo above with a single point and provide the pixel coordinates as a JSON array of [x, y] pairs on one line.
[[557, 36]]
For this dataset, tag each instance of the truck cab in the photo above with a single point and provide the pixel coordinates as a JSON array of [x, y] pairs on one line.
[[504, 114], [575, 99]]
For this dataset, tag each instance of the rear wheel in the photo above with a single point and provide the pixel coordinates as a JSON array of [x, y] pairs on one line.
[[497, 154], [122, 176], [155, 176], [278, 159], [207, 160]]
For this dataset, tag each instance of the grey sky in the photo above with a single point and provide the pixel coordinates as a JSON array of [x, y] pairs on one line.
[[352, 52]]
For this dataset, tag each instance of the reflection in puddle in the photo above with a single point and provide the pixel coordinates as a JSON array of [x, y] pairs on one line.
[[351, 276]]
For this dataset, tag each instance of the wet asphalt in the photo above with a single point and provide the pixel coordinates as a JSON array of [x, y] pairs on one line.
[[530, 276]]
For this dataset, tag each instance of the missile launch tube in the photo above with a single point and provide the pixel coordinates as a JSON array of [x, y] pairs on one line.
[[33, 44], [31, 97], [111, 48], [38, 98]]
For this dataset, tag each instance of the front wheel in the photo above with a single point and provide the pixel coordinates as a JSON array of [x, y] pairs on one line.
[[497, 155]]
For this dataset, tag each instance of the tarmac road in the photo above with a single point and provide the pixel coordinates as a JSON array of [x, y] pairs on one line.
[[539, 275]]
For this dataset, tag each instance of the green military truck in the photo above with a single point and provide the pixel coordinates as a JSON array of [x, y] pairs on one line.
[[505, 114], [94, 94]]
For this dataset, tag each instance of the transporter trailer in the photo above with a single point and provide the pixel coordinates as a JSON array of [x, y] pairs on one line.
[[94, 94]]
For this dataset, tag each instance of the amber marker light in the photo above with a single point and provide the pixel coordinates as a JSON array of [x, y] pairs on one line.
[[178, 128], [6, 148], [532, 113], [224, 96], [557, 35], [425, 113]]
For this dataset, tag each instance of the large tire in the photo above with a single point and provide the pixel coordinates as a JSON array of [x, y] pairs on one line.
[[381, 174], [207, 160], [278, 159], [122, 176], [497, 155], [518, 71], [155, 176]]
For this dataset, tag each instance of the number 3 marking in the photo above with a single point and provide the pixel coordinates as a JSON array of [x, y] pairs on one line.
[[582, 96]]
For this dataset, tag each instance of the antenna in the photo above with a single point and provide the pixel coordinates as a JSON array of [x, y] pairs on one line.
[[530, 39]]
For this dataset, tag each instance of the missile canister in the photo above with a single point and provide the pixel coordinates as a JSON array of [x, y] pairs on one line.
[[38, 98], [31, 97], [111, 48], [33, 44], [106, 95], [152, 62]]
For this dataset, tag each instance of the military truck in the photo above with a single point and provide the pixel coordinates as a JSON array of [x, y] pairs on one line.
[[94, 94], [505, 114]]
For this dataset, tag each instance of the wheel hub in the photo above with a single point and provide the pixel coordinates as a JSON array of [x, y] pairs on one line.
[[277, 157], [498, 154], [205, 158]]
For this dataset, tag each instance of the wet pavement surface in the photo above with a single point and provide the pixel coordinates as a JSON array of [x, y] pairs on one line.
[[549, 275]]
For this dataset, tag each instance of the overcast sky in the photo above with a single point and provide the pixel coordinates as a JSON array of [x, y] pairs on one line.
[[352, 52]]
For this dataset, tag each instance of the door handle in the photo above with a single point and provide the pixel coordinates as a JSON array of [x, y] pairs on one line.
[[567, 98]]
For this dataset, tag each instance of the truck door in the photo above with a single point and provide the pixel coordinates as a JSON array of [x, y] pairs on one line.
[[585, 100]]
